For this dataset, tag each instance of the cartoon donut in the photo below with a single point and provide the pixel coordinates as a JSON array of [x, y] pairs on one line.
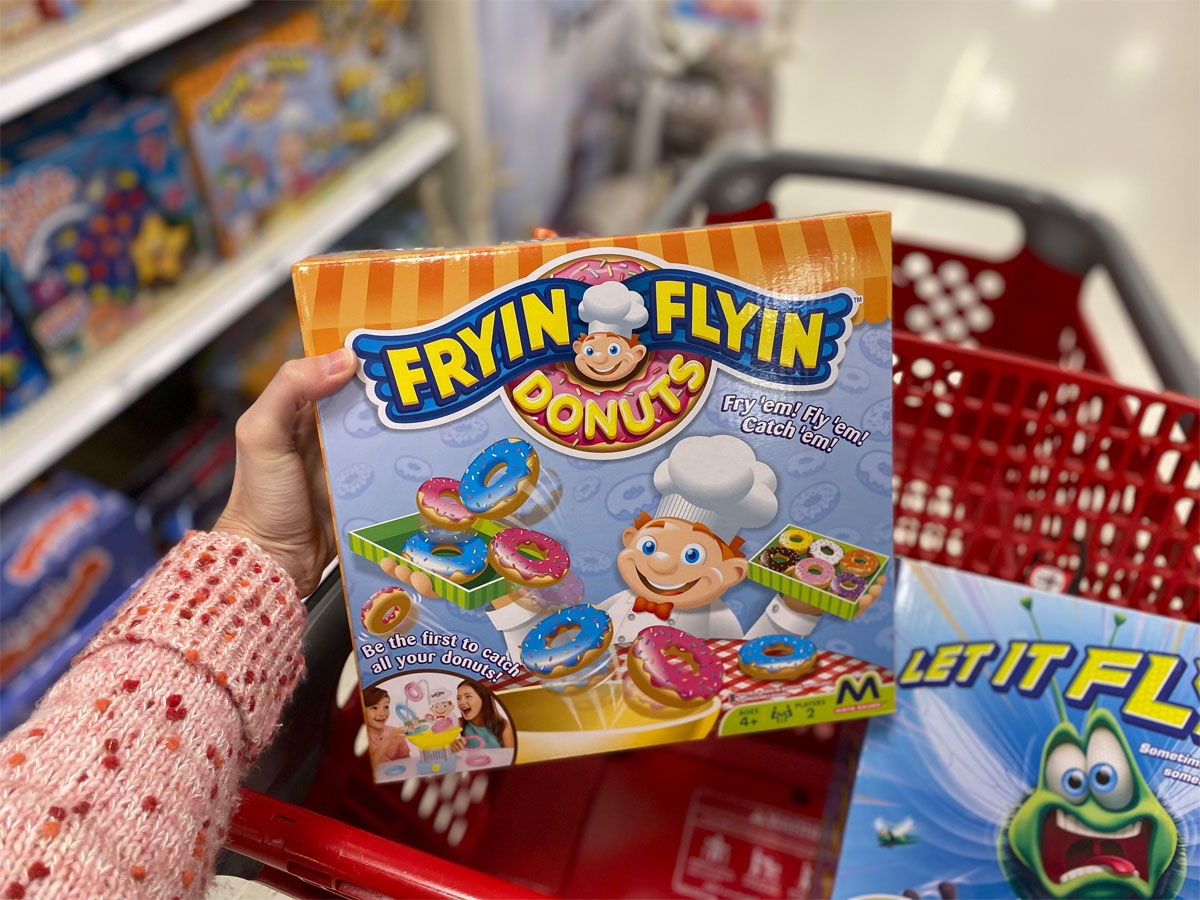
[[878, 420], [847, 584], [437, 501], [545, 656], [860, 562], [674, 668], [458, 561], [464, 432], [780, 559], [777, 657], [815, 502], [353, 480], [500, 478], [388, 609], [412, 468], [824, 548], [796, 539], [543, 564], [876, 345], [815, 572], [875, 472]]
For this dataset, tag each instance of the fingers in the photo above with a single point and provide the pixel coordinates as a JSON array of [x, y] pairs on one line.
[[269, 425], [418, 581], [423, 584]]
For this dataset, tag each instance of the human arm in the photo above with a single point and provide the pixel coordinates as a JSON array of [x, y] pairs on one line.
[[148, 734]]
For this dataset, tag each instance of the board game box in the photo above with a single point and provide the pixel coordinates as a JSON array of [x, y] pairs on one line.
[[609, 493], [1042, 746]]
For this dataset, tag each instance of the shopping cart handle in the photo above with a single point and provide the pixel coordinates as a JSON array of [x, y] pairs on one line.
[[1063, 234], [349, 861]]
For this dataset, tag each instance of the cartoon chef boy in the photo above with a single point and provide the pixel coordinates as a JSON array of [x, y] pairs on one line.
[[677, 563], [440, 705], [610, 351]]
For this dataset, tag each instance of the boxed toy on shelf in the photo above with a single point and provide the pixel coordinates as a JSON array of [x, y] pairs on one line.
[[22, 375], [94, 215], [261, 119], [1043, 746], [610, 493], [69, 548], [378, 64]]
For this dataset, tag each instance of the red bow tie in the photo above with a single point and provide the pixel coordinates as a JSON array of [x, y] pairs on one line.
[[662, 610]]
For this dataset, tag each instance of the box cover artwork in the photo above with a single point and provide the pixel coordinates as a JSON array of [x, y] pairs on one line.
[[609, 493], [1042, 746]]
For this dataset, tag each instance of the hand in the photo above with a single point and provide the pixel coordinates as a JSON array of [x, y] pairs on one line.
[[418, 581], [872, 594], [279, 498], [458, 746]]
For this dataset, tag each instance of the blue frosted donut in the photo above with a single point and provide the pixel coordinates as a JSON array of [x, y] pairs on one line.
[[588, 630], [457, 560], [777, 656], [500, 478]]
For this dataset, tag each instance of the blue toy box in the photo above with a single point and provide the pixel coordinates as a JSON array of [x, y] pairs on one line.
[[1042, 746], [69, 548], [94, 221]]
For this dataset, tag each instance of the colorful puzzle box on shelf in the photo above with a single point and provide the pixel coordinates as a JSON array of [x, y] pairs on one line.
[[99, 206], [262, 121], [1042, 746], [610, 493]]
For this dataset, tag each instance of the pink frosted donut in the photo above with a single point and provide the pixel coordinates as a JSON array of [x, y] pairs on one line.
[[437, 501], [509, 561], [387, 609], [599, 269], [445, 723], [478, 760], [674, 668], [815, 572]]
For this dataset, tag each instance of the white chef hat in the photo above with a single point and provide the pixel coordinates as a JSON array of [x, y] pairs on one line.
[[716, 482], [612, 307], [438, 695]]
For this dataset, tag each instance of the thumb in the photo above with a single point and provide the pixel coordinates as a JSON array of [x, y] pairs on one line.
[[268, 425]]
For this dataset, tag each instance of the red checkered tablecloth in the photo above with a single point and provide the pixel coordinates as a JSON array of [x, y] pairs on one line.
[[740, 689]]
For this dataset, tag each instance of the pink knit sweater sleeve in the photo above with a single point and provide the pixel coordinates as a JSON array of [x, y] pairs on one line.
[[122, 782]]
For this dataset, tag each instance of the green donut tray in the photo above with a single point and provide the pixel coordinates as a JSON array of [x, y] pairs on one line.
[[385, 540], [790, 586]]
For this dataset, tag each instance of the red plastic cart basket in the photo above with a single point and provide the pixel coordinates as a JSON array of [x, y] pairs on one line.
[[1012, 449]]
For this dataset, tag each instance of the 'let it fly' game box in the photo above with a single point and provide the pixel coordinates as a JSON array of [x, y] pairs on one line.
[[1042, 746], [610, 493]]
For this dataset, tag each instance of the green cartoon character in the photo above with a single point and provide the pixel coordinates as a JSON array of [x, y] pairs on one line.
[[1087, 826], [1091, 827]]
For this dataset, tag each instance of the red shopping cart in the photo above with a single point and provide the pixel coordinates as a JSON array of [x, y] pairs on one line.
[[1013, 450]]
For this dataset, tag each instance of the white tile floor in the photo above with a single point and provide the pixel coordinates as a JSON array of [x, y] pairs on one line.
[[1096, 101]]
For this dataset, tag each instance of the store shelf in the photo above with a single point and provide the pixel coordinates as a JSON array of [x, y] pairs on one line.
[[60, 56], [107, 382]]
